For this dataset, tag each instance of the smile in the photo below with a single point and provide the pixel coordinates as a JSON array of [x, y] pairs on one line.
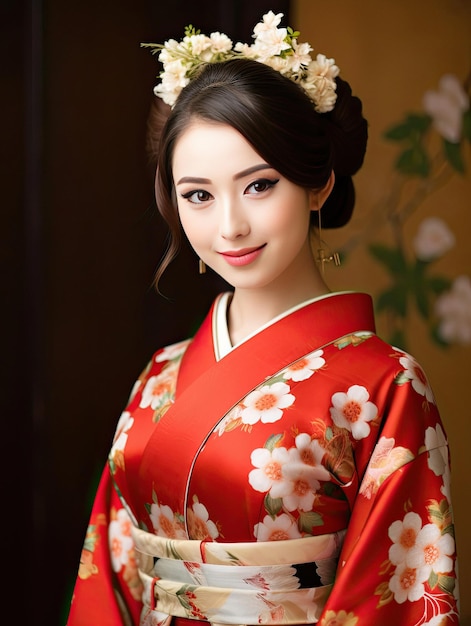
[[242, 257]]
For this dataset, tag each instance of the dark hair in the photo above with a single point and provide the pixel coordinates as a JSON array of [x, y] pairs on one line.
[[278, 119]]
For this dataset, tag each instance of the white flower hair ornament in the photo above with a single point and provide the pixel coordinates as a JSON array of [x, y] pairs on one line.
[[273, 46]]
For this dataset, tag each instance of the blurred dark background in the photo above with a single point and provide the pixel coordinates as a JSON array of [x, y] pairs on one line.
[[80, 243]]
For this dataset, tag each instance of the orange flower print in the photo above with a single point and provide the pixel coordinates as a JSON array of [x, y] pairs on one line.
[[340, 618], [353, 411], [279, 528], [120, 540], [164, 522], [266, 404], [87, 567], [199, 525], [385, 460], [304, 368]]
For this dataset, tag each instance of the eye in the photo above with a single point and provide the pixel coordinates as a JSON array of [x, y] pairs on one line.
[[197, 196], [261, 185]]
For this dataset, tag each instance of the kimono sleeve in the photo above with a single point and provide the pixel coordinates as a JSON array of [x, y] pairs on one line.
[[398, 562], [107, 589]]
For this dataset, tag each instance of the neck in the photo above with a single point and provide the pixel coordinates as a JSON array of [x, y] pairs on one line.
[[252, 308]]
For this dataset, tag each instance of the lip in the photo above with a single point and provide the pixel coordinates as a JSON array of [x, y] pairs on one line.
[[241, 257]]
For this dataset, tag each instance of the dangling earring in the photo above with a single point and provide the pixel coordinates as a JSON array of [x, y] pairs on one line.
[[322, 258], [201, 266]]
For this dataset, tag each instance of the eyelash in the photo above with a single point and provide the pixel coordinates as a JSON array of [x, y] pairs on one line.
[[266, 182]]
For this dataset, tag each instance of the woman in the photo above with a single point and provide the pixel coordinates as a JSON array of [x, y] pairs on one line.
[[284, 465]]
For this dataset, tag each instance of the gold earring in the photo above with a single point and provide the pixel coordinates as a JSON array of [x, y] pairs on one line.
[[322, 258], [201, 266]]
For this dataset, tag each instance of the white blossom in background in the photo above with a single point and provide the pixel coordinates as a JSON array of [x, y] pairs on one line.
[[454, 310], [433, 239], [447, 106]]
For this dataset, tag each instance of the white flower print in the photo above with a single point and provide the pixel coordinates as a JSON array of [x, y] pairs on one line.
[[279, 528], [385, 460], [120, 540], [159, 389], [310, 452], [292, 475], [407, 583], [199, 525], [353, 411], [302, 486], [116, 455], [437, 447], [432, 550], [304, 368], [172, 352], [268, 475], [417, 376], [125, 423], [163, 521], [404, 536], [304, 470], [266, 404]]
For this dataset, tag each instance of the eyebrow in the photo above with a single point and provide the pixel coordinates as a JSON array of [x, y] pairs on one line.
[[242, 174]]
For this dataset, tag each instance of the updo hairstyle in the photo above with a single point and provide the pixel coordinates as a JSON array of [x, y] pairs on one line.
[[278, 119]]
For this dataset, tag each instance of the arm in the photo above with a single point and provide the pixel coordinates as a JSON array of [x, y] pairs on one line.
[[397, 564]]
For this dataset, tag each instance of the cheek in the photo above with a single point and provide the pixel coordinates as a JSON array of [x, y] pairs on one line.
[[193, 226], [288, 217]]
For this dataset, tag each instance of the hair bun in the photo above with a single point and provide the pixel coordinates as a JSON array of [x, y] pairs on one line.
[[348, 131]]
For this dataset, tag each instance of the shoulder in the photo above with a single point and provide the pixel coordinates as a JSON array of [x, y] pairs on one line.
[[381, 366]]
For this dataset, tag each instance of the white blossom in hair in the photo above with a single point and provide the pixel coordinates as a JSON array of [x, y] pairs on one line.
[[273, 46]]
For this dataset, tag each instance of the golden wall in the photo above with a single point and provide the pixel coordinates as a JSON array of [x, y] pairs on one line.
[[392, 52]]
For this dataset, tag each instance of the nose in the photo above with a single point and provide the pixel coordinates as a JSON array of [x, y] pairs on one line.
[[234, 222]]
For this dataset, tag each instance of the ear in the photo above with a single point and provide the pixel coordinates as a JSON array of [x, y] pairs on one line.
[[319, 196]]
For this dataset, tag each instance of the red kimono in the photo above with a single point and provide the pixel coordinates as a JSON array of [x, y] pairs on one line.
[[299, 477]]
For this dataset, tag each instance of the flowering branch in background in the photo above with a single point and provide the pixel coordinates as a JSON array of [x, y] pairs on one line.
[[432, 151]]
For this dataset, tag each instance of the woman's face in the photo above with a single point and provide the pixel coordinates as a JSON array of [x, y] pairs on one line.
[[241, 216]]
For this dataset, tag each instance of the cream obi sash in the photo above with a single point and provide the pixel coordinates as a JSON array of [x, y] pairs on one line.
[[271, 582]]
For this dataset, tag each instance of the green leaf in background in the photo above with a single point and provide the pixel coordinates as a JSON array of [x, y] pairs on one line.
[[438, 284], [453, 155], [394, 299], [414, 162], [422, 302], [413, 128], [467, 125], [391, 258]]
